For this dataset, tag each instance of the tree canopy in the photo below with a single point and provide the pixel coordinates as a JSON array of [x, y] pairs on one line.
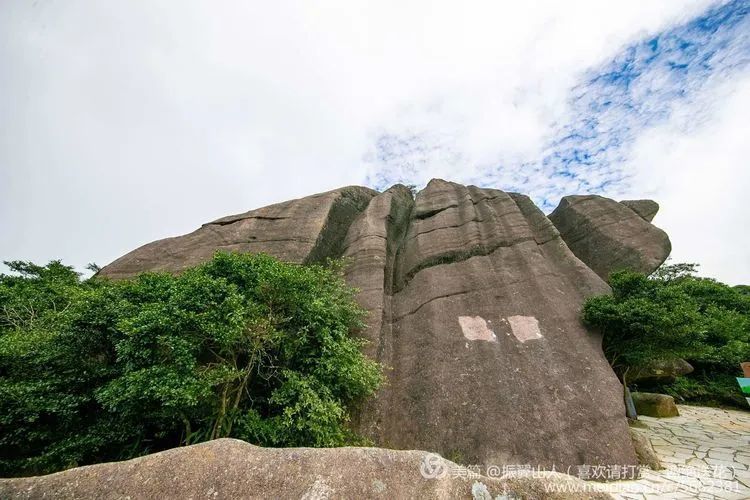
[[243, 346], [675, 314]]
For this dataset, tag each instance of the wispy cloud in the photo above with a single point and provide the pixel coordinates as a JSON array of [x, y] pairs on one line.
[[130, 121], [589, 142], [643, 87]]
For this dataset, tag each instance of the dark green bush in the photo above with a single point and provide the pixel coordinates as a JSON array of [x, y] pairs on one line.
[[674, 314], [711, 388], [243, 346]]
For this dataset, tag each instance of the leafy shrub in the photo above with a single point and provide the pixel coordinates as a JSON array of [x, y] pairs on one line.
[[716, 389], [243, 346], [674, 314]]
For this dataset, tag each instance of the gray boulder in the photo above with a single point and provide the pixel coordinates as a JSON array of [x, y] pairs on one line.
[[608, 236], [662, 371], [655, 405], [229, 468], [644, 450]]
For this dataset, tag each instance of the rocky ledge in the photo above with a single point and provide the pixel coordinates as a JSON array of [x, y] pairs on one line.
[[233, 469]]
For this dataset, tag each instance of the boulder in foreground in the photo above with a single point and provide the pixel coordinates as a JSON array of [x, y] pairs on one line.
[[229, 468]]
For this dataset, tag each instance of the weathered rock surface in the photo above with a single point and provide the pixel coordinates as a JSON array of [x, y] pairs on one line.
[[655, 405], [489, 361], [645, 451], [304, 230], [229, 469], [660, 371], [647, 209], [474, 301], [609, 236]]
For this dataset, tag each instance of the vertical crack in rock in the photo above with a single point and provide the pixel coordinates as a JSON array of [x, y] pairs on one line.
[[343, 212], [372, 243]]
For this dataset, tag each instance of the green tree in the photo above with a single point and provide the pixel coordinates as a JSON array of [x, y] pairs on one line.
[[674, 314], [243, 346]]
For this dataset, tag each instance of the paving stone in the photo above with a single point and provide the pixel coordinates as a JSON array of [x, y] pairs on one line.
[[706, 454], [717, 455], [714, 461]]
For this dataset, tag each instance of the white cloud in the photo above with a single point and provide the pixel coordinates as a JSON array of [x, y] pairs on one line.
[[129, 121], [696, 166]]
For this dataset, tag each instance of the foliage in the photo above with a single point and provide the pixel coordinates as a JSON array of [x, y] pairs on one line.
[[243, 346], [713, 389], [674, 314]]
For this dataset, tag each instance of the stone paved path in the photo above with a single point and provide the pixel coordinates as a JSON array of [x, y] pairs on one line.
[[706, 452]]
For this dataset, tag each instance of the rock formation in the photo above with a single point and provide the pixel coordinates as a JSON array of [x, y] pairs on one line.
[[644, 450], [229, 468], [609, 236], [655, 405], [647, 209], [304, 230], [660, 371], [474, 299]]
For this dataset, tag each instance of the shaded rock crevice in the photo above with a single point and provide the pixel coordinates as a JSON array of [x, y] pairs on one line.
[[330, 241], [372, 243], [456, 256], [233, 221]]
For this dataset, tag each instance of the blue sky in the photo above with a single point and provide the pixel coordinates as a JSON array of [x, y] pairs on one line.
[[637, 90], [587, 151], [124, 123]]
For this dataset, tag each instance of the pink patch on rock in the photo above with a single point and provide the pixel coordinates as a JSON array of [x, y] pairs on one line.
[[475, 328], [525, 327]]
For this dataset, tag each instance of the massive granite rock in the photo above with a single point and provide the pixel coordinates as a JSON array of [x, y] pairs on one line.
[[474, 300], [304, 230], [488, 359], [609, 236], [233, 469]]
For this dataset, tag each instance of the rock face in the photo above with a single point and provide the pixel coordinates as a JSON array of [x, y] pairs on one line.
[[474, 300], [647, 209], [229, 468], [304, 230], [609, 236], [655, 405]]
